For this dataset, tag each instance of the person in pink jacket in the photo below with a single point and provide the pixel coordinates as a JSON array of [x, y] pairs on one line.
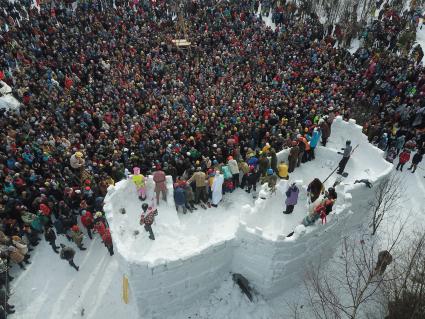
[[160, 186]]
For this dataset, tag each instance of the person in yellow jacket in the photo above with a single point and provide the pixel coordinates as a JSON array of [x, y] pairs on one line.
[[139, 180], [282, 169]]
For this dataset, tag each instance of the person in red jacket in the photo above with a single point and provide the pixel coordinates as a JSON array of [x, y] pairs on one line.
[[88, 222], [403, 159], [99, 228], [107, 240]]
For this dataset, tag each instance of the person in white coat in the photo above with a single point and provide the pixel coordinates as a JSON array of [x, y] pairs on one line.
[[217, 189], [234, 169]]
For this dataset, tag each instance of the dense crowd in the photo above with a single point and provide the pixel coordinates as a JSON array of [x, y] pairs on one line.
[[103, 89]]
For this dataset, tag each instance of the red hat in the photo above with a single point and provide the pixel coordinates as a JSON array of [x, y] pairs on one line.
[[87, 188], [87, 182], [45, 210], [75, 228]]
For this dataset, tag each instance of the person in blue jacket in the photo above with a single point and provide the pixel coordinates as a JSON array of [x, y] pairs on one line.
[[180, 198], [314, 140]]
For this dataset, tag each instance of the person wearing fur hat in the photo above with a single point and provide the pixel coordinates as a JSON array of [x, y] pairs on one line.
[[77, 236], [68, 254]]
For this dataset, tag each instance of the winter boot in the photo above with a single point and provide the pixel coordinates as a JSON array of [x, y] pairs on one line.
[[21, 265], [82, 248]]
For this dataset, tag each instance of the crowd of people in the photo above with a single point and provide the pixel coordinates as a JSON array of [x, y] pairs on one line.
[[103, 89]]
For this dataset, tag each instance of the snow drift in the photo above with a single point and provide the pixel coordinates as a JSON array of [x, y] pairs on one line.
[[194, 252]]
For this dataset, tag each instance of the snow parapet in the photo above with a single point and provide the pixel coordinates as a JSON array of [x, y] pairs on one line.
[[182, 266]]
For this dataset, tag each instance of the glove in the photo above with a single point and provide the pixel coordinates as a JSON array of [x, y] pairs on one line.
[[340, 153]]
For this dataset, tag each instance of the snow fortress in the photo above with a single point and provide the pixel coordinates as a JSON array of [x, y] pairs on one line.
[[193, 253]]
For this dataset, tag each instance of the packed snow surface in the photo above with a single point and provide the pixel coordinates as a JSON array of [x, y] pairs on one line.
[[243, 235]]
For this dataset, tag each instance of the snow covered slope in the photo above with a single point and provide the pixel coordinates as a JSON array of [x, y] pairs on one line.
[[194, 252]]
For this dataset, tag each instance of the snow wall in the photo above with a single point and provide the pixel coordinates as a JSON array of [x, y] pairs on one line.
[[164, 286]]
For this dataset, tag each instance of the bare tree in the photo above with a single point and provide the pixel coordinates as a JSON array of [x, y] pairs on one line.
[[405, 295], [387, 198], [347, 285]]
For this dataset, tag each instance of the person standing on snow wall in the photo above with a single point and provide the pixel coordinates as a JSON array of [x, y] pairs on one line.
[[345, 157], [160, 187], [291, 198]]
